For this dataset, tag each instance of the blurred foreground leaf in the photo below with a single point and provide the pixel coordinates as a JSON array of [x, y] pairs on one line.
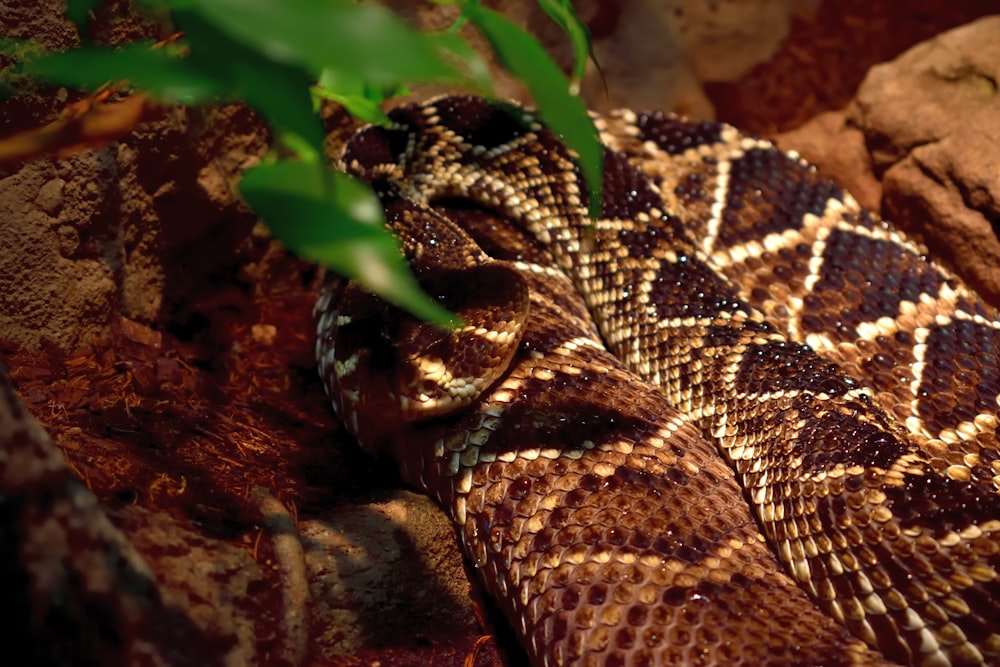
[[561, 11], [562, 111], [156, 71], [368, 41], [332, 218], [278, 57]]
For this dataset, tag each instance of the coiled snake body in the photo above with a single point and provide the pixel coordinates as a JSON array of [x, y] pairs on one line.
[[735, 420]]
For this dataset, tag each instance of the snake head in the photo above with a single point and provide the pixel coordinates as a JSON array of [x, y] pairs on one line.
[[384, 369]]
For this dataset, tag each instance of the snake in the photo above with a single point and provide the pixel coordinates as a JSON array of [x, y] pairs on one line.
[[734, 419]]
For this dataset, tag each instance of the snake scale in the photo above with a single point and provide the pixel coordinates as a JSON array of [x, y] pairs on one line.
[[735, 420]]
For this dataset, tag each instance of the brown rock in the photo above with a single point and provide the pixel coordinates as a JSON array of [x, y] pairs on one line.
[[657, 54], [394, 561], [58, 250]]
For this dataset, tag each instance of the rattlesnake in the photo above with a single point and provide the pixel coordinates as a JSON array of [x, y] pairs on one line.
[[811, 364]]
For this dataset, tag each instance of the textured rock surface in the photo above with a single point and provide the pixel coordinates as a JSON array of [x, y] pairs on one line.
[[62, 250], [85, 237], [382, 571]]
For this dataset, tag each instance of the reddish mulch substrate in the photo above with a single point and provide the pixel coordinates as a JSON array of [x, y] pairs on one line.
[[190, 419]]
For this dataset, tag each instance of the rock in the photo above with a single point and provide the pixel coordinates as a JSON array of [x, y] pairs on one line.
[[657, 54], [931, 121], [387, 573], [58, 250], [87, 237], [927, 125]]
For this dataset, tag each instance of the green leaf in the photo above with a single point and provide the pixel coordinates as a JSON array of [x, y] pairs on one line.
[[279, 92], [562, 111], [333, 219], [78, 11], [368, 41], [455, 48], [561, 11], [358, 106], [154, 70], [360, 100], [13, 79]]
